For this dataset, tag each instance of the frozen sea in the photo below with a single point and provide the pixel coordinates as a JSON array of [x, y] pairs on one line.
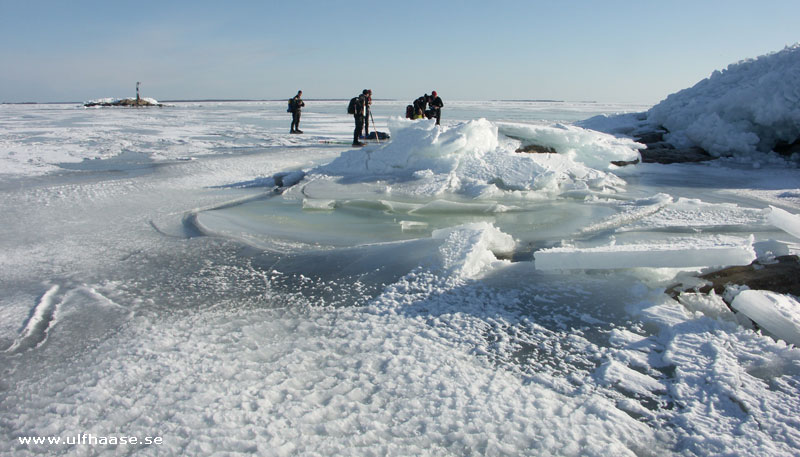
[[195, 273]]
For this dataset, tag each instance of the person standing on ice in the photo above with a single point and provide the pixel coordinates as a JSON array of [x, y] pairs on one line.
[[358, 115], [436, 105], [367, 112], [295, 104]]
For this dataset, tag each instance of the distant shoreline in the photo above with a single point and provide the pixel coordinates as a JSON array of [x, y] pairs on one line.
[[215, 100], [236, 100]]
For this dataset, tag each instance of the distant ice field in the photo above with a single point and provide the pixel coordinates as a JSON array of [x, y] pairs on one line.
[[195, 272]]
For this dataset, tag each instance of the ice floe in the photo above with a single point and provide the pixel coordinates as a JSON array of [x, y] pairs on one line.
[[672, 253], [776, 313]]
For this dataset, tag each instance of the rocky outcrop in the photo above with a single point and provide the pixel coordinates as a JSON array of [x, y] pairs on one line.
[[659, 151], [788, 149], [668, 154], [135, 102], [536, 149], [781, 276]]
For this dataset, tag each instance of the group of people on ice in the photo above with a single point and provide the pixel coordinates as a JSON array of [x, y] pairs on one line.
[[425, 107]]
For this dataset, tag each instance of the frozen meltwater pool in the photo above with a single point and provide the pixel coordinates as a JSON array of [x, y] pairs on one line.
[[328, 214]]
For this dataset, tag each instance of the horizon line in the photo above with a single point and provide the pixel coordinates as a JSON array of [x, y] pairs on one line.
[[229, 100]]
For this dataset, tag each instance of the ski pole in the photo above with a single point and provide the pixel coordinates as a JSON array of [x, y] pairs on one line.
[[377, 137]]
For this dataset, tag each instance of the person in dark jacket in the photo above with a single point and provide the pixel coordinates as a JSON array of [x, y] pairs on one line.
[[436, 105], [367, 110], [358, 116], [295, 104], [420, 105]]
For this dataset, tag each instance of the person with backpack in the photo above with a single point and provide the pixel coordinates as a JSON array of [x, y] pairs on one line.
[[356, 108], [436, 104], [295, 104]]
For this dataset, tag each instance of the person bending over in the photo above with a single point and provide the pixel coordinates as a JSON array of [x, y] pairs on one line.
[[436, 105]]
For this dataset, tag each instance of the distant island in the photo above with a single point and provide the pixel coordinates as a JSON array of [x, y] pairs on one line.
[[124, 102], [137, 102]]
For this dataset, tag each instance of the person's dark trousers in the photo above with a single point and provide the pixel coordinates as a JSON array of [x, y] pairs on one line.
[[295, 120], [359, 127], [438, 115]]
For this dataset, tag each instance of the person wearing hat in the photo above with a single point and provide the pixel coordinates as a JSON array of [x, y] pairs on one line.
[[436, 105]]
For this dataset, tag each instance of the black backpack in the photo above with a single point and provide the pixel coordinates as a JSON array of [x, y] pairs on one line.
[[291, 106], [351, 107]]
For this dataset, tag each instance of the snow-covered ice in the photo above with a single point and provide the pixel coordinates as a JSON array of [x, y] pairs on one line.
[[198, 274]]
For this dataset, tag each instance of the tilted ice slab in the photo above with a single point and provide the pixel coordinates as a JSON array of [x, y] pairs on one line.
[[672, 253], [778, 314], [424, 160], [784, 220], [696, 213], [631, 212]]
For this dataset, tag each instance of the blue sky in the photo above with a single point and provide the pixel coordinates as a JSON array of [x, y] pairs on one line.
[[609, 51]]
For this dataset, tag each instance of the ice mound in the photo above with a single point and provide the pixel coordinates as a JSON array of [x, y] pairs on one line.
[[746, 108], [418, 147], [674, 253], [468, 159], [778, 314]]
